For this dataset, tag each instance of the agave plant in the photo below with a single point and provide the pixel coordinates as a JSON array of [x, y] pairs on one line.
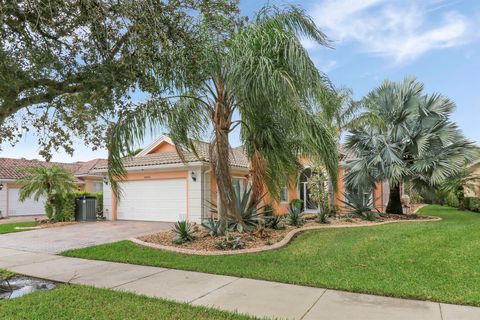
[[214, 226], [295, 216], [275, 222], [249, 211], [184, 232], [360, 206]]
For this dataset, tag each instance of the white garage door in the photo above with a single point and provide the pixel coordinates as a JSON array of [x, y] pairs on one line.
[[153, 200], [28, 207]]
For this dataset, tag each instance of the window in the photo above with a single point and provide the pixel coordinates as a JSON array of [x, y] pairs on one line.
[[284, 194], [239, 186], [98, 187]]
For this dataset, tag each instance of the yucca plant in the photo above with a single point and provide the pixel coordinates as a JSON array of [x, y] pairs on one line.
[[295, 216], [184, 232]]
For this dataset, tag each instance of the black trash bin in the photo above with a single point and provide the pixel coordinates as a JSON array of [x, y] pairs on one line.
[[85, 208]]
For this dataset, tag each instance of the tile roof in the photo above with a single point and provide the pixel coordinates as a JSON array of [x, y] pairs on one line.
[[237, 157], [11, 168]]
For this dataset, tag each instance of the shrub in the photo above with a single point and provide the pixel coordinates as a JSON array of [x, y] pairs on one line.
[[67, 211], [472, 203], [295, 216], [184, 232], [451, 200], [296, 203], [99, 196]]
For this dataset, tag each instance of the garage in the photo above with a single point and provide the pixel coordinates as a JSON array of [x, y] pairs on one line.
[[153, 200], [28, 207]]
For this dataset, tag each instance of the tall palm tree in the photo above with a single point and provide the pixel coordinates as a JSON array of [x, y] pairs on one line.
[[413, 139], [261, 73], [51, 183]]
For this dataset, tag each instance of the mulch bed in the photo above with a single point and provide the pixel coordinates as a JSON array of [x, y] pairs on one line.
[[205, 242]]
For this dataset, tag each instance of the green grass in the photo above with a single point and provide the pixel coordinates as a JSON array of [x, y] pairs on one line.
[[437, 261], [10, 227], [5, 274], [80, 302]]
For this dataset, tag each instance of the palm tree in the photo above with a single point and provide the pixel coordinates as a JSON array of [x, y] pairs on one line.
[[52, 183], [261, 74], [413, 139]]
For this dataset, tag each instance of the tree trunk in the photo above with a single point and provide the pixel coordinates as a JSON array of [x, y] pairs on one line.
[[257, 171], [394, 201], [220, 154]]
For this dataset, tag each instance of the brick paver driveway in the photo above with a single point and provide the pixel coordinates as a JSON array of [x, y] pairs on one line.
[[58, 239]]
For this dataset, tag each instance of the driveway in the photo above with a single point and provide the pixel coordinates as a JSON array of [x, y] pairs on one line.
[[58, 239]]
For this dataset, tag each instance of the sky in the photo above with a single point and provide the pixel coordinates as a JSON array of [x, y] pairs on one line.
[[437, 41]]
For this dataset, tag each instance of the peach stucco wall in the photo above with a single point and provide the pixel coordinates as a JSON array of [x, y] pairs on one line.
[[163, 147]]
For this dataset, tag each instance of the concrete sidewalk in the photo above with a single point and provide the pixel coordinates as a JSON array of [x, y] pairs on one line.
[[254, 297]]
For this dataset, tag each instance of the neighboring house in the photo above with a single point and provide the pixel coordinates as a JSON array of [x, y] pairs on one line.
[[13, 169], [161, 187], [472, 188]]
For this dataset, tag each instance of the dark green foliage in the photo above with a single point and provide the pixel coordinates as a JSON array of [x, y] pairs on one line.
[[68, 208], [472, 203], [451, 200], [276, 222], [214, 226], [99, 196], [295, 215], [297, 203], [184, 231]]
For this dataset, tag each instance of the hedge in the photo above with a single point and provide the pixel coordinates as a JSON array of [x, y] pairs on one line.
[[472, 203]]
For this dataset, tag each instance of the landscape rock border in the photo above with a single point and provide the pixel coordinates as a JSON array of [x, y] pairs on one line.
[[277, 245]]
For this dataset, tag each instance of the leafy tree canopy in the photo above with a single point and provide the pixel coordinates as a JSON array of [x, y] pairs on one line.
[[68, 67]]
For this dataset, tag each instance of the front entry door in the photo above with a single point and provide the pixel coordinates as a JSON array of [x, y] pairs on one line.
[[305, 195]]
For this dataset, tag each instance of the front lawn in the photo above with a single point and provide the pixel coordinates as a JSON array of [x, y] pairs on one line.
[[80, 302], [10, 227], [423, 260]]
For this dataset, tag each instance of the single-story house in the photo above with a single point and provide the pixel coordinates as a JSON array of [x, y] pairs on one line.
[[13, 169], [472, 187], [160, 186]]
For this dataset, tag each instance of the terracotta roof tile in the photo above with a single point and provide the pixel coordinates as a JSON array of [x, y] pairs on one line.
[[237, 157], [11, 168]]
